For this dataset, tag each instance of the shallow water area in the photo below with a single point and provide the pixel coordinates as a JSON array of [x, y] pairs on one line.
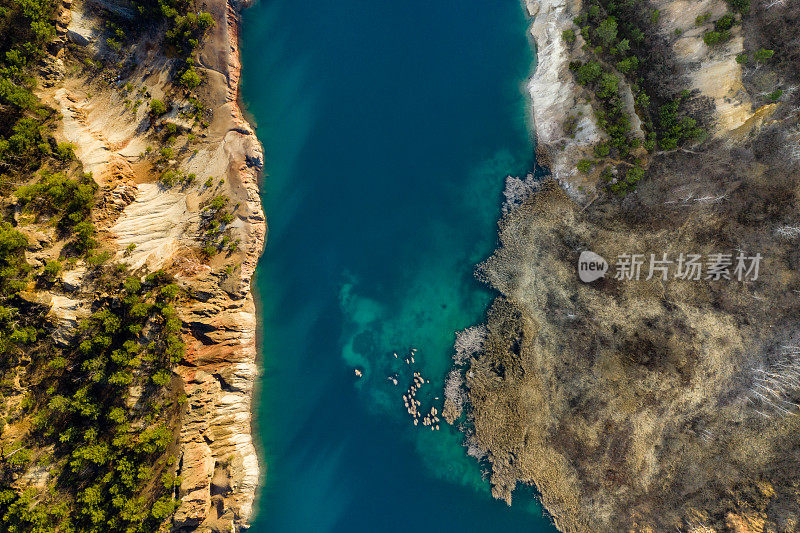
[[389, 128]]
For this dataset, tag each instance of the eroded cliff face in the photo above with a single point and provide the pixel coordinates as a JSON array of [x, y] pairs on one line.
[[151, 225], [661, 403], [555, 96]]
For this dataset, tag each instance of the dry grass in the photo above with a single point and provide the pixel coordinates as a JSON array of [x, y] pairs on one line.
[[657, 404]]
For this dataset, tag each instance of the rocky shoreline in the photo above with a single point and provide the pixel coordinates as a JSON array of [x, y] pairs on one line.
[[219, 442], [151, 226]]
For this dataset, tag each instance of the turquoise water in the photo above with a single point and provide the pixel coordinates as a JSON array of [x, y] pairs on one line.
[[389, 128]]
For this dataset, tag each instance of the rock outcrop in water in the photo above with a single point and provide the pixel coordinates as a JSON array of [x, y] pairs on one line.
[[664, 403]]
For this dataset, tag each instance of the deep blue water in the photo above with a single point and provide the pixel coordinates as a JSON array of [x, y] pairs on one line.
[[389, 128]]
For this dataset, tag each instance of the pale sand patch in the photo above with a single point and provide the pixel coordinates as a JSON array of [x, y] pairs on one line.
[[713, 71], [90, 147], [158, 222]]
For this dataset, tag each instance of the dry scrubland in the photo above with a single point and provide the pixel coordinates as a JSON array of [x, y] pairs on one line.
[[650, 405]]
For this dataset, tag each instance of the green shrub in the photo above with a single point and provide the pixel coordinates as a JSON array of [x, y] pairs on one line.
[[628, 64], [585, 165], [113, 44], [650, 141], [713, 38], [51, 270], [627, 184], [132, 285], [163, 508], [190, 78], [169, 178], [19, 457], [568, 36], [763, 55], [702, 19], [602, 150], [157, 108], [84, 236], [161, 378], [169, 292], [588, 72], [13, 94], [26, 139], [188, 29], [725, 23], [171, 129], [674, 129], [622, 47], [218, 203], [65, 151], [740, 6], [13, 269], [57, 194]]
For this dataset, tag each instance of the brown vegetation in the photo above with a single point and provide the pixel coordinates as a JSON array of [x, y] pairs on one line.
[[655, 405]]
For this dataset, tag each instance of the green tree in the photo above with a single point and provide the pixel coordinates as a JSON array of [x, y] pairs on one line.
[[607, 31], [12, 262], [65, 151], [84, 236], [740, 6], [628, 64], [608, 86], [588, 72], [190, 78]]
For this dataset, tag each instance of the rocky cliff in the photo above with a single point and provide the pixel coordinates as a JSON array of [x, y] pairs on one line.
[[150, 223]]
